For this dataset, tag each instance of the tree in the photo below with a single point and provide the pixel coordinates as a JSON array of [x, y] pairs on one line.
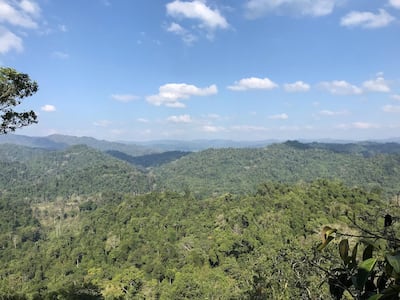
[[14, 87]]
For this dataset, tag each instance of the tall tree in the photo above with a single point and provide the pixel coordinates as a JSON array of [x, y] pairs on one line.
[[14, 87]]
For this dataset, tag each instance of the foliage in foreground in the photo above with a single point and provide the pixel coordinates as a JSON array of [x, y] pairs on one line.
[[172, 246], [367, 265]]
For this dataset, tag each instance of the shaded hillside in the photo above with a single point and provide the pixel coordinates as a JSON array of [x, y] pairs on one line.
[[241, 170], [59, 142], [45, 174], [149, 160]]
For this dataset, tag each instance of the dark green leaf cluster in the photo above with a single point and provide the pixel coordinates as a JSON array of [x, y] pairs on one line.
[[14, 87]]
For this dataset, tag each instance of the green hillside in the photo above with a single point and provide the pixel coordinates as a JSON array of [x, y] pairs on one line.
[[217, 171], [44, 175]]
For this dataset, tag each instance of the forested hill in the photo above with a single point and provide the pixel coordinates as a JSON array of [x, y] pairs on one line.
[[242, 170], [80, 170]]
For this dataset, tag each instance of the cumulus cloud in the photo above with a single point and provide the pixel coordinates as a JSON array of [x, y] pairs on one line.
[[391, 108], [171, 94], [48, 108], [21, 14], [197, 10], [395, 3], [180, 119], [340, 87], [9, 41], [367, 19], [253, 83], [125, 98], [187, 37], [378, 84], [279, 117], [298, 86], [314, 8]]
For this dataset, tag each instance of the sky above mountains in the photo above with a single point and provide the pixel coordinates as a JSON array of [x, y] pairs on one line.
[[244, 70]]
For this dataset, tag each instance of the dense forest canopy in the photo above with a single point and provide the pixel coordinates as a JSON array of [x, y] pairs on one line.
[[83, 223]]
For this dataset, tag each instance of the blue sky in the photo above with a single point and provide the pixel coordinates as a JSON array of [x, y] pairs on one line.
[[208, 69]]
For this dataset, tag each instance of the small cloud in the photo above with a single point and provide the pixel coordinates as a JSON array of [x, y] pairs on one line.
[[197, 10], [9, 41], [60, 55], [102, 123], [367, 19], [330, 113], [30, 7], [377, 85], [395, 3], [171, 94], [212, 129], [298, 86], [395, 97], [125, 98], [63, 28], [253, 83], [358, 125], [48, 108], [142, 120], [315, 8], [340, 87], [187, 37], [180, 119], [279, 117], [391, 108]]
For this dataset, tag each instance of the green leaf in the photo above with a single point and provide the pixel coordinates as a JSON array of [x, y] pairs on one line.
[[364, 269], [344, 250], [375, 297], [368, 252], [394, 261]]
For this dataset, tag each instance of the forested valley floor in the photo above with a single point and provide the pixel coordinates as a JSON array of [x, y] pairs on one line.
[[80, 222]]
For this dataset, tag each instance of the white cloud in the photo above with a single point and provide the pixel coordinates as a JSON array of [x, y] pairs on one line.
[[48, 108], [279, 117], [298, 86], [125, 98], [377, 85], [340, 87], [315, 8], [395, 97], [63, 28], [102, 123], [30, 7], [330, 113], [9, 41], [19, 13], [367, 19], [170, 94], [212, 129], [358, 125], [197, 10], [395, 3], [187, 37], [180, 119], [142, 120], [391, 108], [253, 83]]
